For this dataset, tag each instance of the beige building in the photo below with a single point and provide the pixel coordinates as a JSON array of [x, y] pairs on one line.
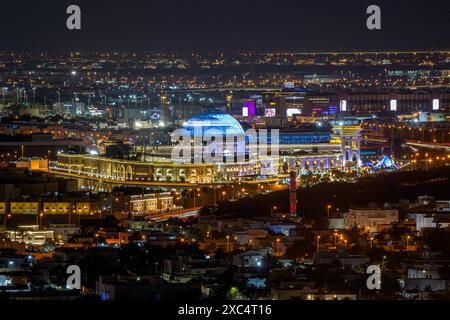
[[24, 207], [2, 208], [34, 237], [370, 218], [57, 208], [86, 208], [117, 170], [152, 203], [33, 164]]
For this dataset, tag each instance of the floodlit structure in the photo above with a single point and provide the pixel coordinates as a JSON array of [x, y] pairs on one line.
[[349, 131], [208, 127]]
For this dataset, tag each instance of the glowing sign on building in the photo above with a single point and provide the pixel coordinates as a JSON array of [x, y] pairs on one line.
[[343, 105], [332, 109], [289, 85], [249, 108], [270, 112], [435, 104], [290, 112], [393, 105]]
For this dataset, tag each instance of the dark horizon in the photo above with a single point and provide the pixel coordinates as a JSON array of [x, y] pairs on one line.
[[200, 25]]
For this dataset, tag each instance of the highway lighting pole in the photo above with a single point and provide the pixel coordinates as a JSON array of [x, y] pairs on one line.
[[407, 243]]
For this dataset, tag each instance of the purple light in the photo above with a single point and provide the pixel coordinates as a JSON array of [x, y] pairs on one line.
[[251, 107]]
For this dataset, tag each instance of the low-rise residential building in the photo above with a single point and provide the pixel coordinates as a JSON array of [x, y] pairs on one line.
[[30, 236], [24, 207], [370, 218], [63, 232], [151, 203], [56, 208]]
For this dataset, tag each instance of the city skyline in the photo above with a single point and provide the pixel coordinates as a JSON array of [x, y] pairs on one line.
[[214, 158]]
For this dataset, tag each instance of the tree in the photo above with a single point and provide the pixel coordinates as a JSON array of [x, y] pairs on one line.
[[300, 249], [438, 240]]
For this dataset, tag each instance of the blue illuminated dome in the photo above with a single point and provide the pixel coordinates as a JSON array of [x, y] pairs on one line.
[[212, 122]]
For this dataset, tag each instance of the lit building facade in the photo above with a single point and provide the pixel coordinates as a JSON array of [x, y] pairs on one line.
[[370, 218], [152, 203], [349, 132], [24, 207], [157, 168]]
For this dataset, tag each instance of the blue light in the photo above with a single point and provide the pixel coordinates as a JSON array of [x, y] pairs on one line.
[[211, 121]]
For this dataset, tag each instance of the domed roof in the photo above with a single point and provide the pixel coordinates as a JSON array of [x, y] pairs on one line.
[[211, 121]]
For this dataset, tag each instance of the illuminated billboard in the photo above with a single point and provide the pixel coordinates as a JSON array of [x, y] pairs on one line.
[[290, 112], [289, 85], [343, 105], [249, 108], [270, 112], [332, 109], [435, 104], [393, 105]]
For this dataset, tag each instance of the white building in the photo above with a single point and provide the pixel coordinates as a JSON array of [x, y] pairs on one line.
[[370, 218], [152, 203], [250, 259], [33, 237], [63, 232], [432, 220]]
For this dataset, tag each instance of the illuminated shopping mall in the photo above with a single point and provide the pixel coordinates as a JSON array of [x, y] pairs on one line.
[[297, 151]]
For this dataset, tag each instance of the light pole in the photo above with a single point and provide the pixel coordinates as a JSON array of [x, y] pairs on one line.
[[407, 243], [318, 244], [234, 191], [214, 195], [278, 241], [228, 243], [272, 210], [6, 216], [39, 220], [193, 195], [328, 210]]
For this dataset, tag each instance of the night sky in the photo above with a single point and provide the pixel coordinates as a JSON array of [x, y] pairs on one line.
[[218, 24]]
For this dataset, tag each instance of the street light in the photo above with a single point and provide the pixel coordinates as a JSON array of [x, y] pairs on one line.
[[40, 216], [274, 208], [328, 210], [318, 243]]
